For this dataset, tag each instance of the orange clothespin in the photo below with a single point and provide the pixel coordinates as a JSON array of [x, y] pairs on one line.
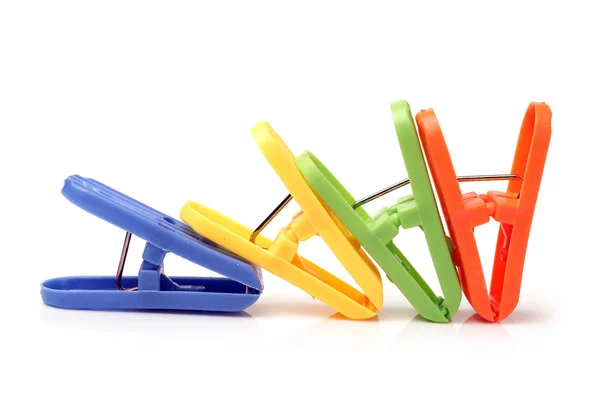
[[513, 209]]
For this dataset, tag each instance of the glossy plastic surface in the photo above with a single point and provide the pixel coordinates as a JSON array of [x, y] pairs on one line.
[[175, 293], [281, 258], [163, 235], [513, 209], [375, 233]]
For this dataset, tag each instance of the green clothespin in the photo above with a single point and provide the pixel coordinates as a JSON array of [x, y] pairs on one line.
[[375, 234]]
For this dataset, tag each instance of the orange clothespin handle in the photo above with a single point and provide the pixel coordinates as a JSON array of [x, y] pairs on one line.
[[513, 209]]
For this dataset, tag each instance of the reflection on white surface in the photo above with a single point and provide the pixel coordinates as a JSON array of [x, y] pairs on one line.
[[293, 323], [140, 321], [336, 333]]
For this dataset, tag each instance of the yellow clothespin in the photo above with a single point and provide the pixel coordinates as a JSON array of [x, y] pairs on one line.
[[280, 256]]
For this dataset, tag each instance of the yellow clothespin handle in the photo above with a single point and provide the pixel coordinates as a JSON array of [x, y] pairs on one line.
[[281, 258]]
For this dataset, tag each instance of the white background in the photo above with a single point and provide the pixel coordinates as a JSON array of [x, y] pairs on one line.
[[157, 99]]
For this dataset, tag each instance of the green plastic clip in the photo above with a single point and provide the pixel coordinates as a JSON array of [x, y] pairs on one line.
[[375, 234]]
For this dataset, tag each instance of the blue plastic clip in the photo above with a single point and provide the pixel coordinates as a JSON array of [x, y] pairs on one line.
[[240, 287]]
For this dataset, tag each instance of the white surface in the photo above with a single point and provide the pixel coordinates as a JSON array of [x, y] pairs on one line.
[[157, 100]]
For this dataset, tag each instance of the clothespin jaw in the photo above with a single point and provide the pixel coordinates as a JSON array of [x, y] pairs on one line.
[[152, 289], [280, 256], [375, 233], [513, 210]]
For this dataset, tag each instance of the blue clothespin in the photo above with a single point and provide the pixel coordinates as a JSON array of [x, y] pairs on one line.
[[240, 287]]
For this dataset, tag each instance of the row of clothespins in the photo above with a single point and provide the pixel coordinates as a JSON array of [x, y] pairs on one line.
[[329, 211]]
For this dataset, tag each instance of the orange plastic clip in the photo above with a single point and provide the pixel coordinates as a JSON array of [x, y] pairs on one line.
[[513, 209]]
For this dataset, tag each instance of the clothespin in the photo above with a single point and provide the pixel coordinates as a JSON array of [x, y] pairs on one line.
[[152, 289], [280, 256], [375, 234], [513, 209]]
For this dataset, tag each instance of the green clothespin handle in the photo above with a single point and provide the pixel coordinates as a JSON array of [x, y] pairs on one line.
[[376, 234]]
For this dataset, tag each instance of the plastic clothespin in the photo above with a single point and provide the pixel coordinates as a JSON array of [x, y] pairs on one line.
[[513, 209], [280, 256], [152, 289], [376, 233]]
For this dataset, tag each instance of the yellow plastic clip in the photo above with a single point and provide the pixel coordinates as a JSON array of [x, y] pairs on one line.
[[281, 256]]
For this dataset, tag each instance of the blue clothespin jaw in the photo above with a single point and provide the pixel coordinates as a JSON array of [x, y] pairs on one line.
[[239, 288]]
